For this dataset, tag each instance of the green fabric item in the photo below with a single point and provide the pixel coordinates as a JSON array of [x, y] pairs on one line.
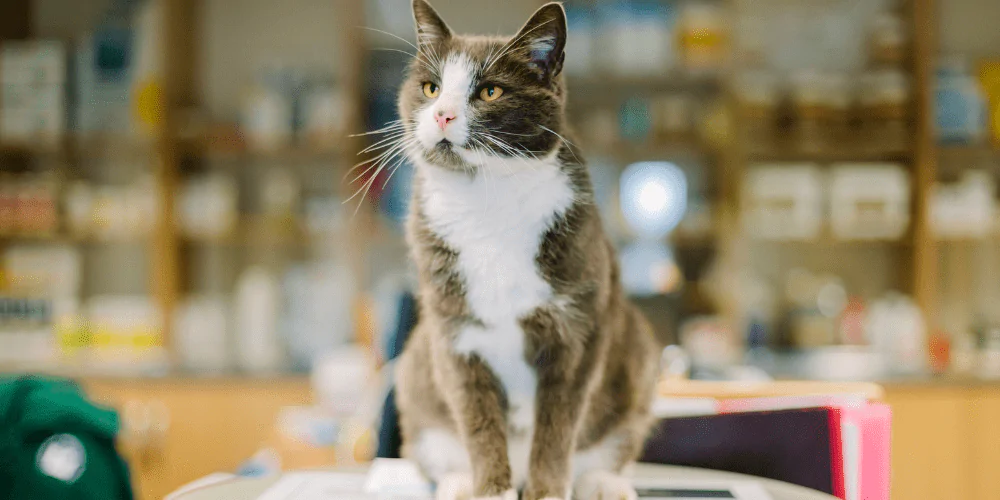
[[55, 444]]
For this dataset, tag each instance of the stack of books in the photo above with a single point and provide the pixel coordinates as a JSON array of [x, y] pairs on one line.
[[837, 444]]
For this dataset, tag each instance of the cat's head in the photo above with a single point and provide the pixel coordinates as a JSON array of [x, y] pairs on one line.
[[472, 101]]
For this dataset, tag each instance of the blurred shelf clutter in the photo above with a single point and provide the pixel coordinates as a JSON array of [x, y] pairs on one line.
[[745, 143], [143, 233], [797, 189]]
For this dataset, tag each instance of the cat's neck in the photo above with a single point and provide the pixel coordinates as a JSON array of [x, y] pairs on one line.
[[501, 195]]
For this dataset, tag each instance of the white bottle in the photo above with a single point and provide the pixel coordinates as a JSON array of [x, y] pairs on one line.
[[258, 347]]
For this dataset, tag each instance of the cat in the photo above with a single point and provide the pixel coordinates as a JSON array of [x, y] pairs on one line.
[[529, 369]]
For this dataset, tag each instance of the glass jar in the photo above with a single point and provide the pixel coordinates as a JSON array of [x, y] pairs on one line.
[[888, 39], [703, 37], [885, 97], [759, 96], [811, 111]]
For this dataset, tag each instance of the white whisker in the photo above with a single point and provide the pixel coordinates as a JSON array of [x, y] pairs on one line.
[[572, 146], [390, 34]]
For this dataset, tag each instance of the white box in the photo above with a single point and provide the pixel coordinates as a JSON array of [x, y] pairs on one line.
[[49, 97], [16, 95], [964, 209], [37, 62], [50, 62], [784, 202], [869, 201], [50, 125]]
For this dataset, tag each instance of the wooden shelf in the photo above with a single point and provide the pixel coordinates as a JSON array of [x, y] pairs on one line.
[[71, 239], [84, 147], [962, 156], [788, 151], [255, 231], [654, 149], [295, 153], [674, 81], [830, 241], [27, 149]]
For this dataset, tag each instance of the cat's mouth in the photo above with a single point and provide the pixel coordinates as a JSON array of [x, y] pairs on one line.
[[446, 154]]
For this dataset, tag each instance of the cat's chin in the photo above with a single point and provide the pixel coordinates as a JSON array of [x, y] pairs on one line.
[[449, 156]]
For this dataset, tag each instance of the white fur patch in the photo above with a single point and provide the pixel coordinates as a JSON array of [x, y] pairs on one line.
[[454, 486], [603, 485], [519, 456], [507, 495], [441, 454], [456, 86], [603, 456], [496, 220]]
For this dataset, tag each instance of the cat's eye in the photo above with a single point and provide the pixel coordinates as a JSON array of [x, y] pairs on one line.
[[490, 93], [431, 89]]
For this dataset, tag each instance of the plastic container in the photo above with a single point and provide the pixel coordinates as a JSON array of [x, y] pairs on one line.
[[821, 104], [961, 106], [869, 201], [888, 39], [256, 310], [703, 37], [784, 202], [886, 98], [624, 26], [760, 95], [202, 334]]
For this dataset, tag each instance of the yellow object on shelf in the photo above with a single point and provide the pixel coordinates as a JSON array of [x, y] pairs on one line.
[[989, 78], [149, 106]]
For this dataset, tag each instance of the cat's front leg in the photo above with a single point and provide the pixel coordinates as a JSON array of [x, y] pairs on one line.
[[559, 404], [476, 402]]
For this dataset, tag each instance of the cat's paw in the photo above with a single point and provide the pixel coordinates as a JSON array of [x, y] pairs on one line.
[[602, 485], [507, 495], [455, 486]]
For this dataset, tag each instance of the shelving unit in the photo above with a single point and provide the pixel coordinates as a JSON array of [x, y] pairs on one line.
[[917, 256], [172, 148]]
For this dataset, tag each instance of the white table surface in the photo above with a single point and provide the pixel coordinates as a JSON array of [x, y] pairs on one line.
[[250, 489]]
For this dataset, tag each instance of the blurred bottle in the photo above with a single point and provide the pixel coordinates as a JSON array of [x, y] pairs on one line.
[[202, 334], [960, 116], [989, 357], [624, 26], [268, 108], [703, 37], [258, 347]]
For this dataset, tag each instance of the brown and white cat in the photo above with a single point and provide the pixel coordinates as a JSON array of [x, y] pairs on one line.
[[529, 368]]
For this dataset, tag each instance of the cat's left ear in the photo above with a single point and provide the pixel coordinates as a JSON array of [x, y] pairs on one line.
[[431, 29], [543, 38]]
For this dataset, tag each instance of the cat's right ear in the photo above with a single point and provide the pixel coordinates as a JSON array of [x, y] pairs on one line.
[[431, 29]]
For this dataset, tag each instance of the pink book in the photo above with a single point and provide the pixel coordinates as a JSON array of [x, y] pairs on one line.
[[865, 436]]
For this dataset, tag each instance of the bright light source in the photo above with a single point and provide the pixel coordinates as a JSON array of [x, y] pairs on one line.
[[653, 197]]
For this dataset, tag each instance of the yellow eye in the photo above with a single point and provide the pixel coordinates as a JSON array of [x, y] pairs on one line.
[[431, 90], [490, 93]]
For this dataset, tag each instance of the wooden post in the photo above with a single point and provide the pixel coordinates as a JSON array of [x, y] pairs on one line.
[[352, 52], [178, 92], [924, 284]]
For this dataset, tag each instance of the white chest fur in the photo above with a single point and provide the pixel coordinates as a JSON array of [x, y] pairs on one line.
[[496, 221]]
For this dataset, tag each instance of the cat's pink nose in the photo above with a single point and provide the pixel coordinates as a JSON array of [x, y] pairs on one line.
[[444, 118]]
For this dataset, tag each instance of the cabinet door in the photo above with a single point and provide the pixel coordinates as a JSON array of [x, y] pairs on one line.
[[213, 425], [931, 443]]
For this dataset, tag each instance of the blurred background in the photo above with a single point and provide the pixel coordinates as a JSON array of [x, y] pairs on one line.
[[800, 189]]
